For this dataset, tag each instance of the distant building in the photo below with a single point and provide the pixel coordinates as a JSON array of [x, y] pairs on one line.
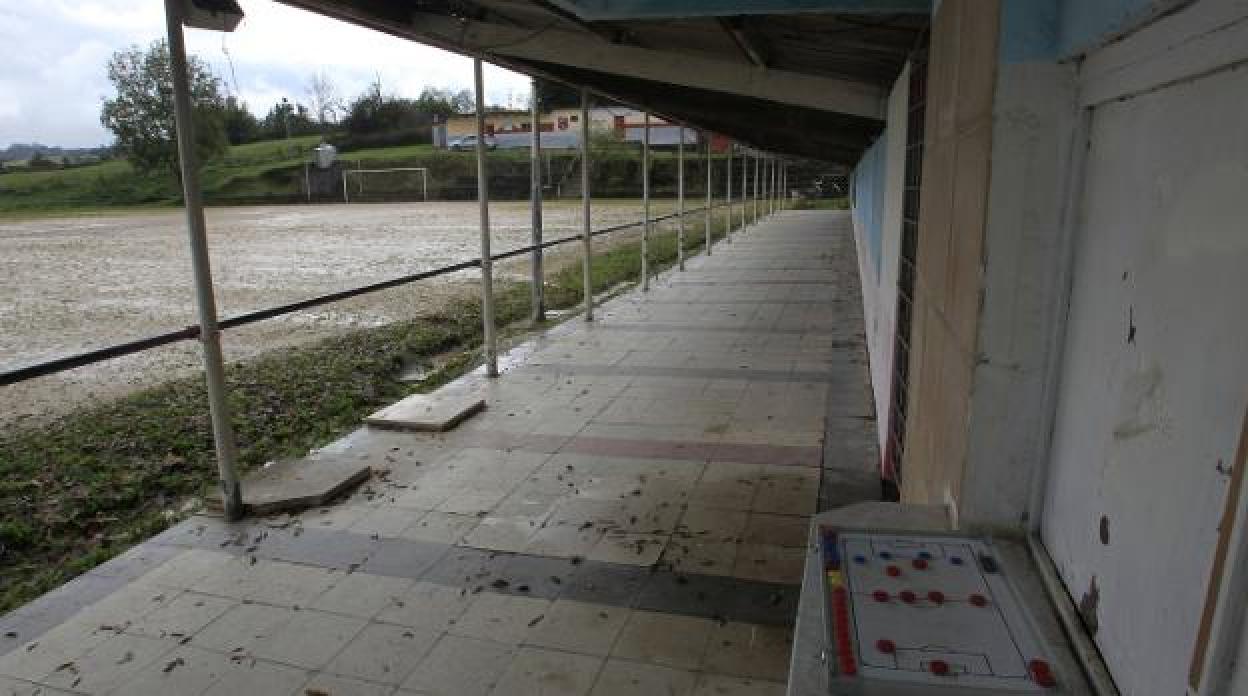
[[511, 128]]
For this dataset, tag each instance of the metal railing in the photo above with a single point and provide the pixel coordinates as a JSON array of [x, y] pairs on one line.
[[118, 350]]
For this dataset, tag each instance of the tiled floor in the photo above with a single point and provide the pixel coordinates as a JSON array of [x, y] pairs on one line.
[[627, 516]]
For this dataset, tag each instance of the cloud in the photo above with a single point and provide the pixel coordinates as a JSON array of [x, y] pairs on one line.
[[53, 77]]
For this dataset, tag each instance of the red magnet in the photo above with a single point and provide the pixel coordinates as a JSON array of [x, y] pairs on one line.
[[885, 645], [939, 667], [880, 596], [919, 563], [893, 571], [1041, 673], [907, 596], [979, 600], [936, 597]]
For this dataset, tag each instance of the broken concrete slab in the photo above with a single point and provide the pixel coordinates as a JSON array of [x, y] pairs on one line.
[[435, 412], [295, 484]]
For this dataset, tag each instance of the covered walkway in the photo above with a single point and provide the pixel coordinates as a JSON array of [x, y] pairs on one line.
[[627, 516]]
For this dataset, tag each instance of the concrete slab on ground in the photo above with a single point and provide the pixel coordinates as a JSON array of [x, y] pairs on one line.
[[296, 484], [436, 412]]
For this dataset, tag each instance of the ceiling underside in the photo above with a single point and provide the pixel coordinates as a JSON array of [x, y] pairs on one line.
[[810, 84]]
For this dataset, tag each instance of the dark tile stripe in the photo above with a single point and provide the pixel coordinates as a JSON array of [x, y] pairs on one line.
[[780, 455], [746, 453], [477, 570], [652, 300], [745, 373], [660, 327], [751, 281]]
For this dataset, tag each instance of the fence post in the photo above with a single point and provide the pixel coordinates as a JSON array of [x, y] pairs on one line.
[[745, 192], [538, 299], [728, 196], [708, 193], [680, 201], [754, 201], [784, 185], [209, 332], [483, 202], [771, 184], [775, 179], [645, 202], [586, 238]]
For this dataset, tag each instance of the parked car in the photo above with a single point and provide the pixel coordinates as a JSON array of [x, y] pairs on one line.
[[469, 142]]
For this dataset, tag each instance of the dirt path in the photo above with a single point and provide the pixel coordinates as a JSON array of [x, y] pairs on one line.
[[72, 284]]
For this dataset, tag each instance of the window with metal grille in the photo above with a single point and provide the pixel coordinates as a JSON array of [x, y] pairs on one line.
[[899, 399]]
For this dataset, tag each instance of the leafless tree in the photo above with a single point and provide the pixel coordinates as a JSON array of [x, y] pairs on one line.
[[326, 104]]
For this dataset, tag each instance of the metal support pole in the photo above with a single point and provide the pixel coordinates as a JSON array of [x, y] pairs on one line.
[[483, 202], [754, 201], [586, 238], [708, 194], [728, 198], [645, 203], [764, 193], [680, 201], [538, 299], [209, 333], [745, 191], [775, 179], [784, 183], [771, 185]]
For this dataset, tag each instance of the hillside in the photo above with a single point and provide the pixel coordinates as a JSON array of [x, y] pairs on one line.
[[273, 172]]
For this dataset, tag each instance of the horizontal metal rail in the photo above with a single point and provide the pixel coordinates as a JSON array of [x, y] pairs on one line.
[[90, 357]]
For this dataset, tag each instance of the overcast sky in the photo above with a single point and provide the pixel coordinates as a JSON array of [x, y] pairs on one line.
[[52, 73]]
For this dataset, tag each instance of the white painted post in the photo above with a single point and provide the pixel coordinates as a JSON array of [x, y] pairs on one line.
[[201, 268], [784, 183], [728, 196], [586, 235], [708, 193], [745, 191], [645, 203], [483, 203], [680, 201], [775, 179], [771, 184], [754, 201], [538, 295]]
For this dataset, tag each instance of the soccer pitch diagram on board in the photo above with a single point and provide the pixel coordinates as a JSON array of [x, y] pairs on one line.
[[909, 614]]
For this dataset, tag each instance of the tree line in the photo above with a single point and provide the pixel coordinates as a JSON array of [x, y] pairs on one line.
[[140, 114]]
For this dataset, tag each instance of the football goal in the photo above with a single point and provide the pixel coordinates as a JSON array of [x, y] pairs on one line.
[[354, 179]]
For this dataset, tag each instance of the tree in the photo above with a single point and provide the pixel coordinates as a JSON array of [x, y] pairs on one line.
[[464, 102], [286, 118], [141, 114], [240, 125], [377, 112], [324, 97]]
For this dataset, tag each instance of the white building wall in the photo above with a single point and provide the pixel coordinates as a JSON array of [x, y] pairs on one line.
[[1154, 375], [879, 287]]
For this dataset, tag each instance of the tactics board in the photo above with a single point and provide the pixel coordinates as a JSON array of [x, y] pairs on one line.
[[926, 611]]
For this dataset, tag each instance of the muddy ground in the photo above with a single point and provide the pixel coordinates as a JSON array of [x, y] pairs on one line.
[[78, 283]]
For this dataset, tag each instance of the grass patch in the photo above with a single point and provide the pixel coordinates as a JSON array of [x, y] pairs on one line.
[[86, 487]]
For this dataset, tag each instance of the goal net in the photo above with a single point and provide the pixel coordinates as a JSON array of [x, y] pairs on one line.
[[393, 183]]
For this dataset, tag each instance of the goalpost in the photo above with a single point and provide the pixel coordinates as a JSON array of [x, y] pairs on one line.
[[346, 197]]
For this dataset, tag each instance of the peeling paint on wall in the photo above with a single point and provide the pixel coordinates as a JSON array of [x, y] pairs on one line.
[[1088, 605]]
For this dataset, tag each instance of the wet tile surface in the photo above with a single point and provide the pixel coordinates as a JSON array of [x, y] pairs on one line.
[[627, 515]]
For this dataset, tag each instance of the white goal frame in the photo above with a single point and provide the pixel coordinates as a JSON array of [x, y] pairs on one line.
[[424, 179]]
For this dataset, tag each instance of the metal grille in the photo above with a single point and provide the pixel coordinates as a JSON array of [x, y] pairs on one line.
[[899, 401]]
